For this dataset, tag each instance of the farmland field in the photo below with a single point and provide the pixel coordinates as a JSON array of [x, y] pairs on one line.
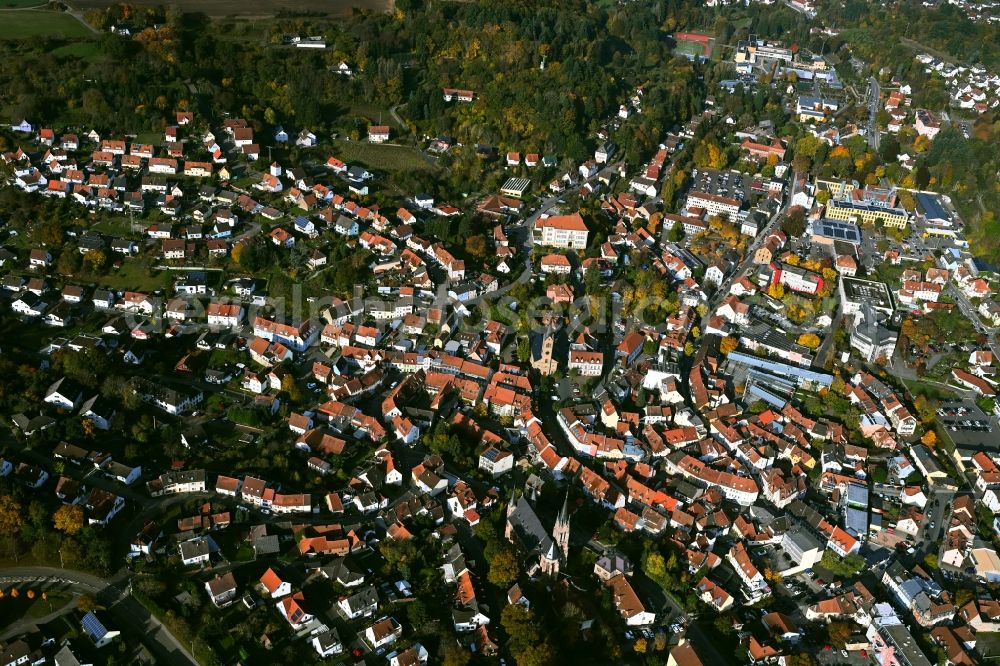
[[25, 24], [385, 158], [263, 8]]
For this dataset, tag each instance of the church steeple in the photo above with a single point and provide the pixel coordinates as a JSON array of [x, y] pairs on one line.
[[564, 514], [560, 532]]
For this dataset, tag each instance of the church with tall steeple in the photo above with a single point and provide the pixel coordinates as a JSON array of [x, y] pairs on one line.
[[526, 531], [560, 533], [557, 554]]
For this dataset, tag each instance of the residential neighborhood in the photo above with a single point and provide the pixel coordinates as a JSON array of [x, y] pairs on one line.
[[709, 381]]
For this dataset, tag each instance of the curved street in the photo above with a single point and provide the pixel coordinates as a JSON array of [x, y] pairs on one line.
[[128, 614]]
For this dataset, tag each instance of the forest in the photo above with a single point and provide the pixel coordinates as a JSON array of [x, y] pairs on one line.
[[544, 74], [907, 25]]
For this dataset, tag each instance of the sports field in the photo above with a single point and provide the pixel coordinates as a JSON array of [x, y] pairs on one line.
[[693, 45]]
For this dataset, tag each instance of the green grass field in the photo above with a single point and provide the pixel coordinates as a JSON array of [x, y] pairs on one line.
[[118, 226], [385, 158], [54, 601], [689, 49], [88, 51], [134, 276], [988, 644], [377, 115], [17, 4], [28, 24]]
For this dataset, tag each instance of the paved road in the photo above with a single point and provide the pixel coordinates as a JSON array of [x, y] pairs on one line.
[[78, 15], [130, 616], [869, 249], [395, 116], [252, 230], [874, 97], [935, 514], [973, 316], [826, 348]]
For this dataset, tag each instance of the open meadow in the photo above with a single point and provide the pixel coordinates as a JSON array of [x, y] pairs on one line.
[[18, 4], [30, 23], [381, 157]]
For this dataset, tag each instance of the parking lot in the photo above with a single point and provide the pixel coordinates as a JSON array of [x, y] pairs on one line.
[[732, 184], [833, 656], [974, 426], [965, 422]]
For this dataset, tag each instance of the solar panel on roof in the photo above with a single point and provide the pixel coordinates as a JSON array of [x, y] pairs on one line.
[[856, 521], [931, 206], [840, 231], [93, 626]]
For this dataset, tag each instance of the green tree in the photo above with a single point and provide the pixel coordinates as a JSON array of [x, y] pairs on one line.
[[723, 625], [538, 655], [521, 627], [655, 567], [842, 567], [523, 349], [455, 655], [794, 223], [839, 633], [504, 568], [69, 261], [418, 615]]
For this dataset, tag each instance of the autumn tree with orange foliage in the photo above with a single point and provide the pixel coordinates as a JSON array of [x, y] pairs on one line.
[[729, 344], [810, 340], [68, 518]]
